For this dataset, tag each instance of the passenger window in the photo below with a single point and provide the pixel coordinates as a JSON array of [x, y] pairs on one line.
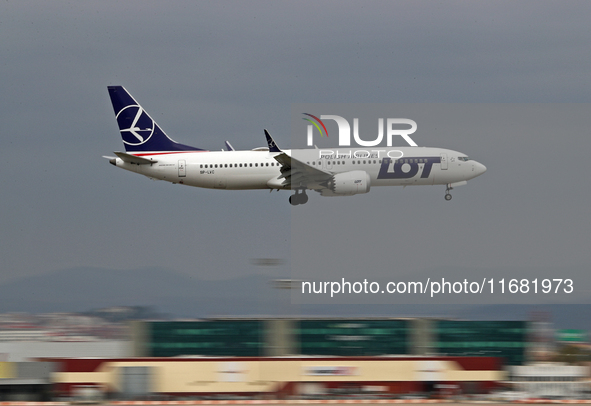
[[363, 161], [216, 165], [226, 165]]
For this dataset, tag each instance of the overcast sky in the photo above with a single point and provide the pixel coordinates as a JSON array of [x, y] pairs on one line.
[[214, 71]]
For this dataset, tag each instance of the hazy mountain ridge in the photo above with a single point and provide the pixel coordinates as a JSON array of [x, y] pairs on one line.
[[177, 295], [85, 288]]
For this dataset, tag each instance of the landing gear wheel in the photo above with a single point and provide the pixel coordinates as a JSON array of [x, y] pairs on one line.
[[447, 195], [303, 198], [298, 198]]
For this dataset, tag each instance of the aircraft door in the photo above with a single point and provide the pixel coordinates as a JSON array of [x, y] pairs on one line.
[[328, 164], [444, 161], [182, 168]]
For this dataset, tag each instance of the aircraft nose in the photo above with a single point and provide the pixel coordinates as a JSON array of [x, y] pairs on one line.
[[479, 168]]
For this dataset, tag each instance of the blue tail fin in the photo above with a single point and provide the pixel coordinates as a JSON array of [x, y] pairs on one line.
[[139, 132]]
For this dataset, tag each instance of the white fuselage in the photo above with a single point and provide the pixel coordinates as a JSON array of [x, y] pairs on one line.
[[239, 170]]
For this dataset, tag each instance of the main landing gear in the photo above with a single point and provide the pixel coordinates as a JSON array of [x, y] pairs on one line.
[[447, 194], [300, 197]]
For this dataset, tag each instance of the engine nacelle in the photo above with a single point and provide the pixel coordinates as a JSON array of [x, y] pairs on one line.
[[348, 184]]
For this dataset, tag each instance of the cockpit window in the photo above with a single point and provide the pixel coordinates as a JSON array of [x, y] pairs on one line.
[[463, 158]]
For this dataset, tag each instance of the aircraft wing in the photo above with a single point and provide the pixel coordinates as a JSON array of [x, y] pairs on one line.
[[297, 173]]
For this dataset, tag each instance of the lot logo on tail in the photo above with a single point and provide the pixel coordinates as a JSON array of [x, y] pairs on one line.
[[135, 125]]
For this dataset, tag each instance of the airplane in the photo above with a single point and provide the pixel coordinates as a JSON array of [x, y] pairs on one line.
[[343, 172]]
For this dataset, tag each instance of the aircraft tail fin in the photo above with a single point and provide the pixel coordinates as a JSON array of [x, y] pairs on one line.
[[271, 142], [139, 131]]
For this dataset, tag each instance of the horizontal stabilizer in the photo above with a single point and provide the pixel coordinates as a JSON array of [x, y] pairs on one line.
[[132, 159]]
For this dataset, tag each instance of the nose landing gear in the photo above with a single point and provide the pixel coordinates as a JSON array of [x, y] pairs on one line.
[[447, 194], [300, 197]]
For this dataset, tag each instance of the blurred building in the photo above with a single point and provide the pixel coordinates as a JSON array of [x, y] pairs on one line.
[[59, 327], [278, 377], [541, 338], [572, 337], [101, 333], [20, 351], [506, 340], [550, 380], [26, 381]]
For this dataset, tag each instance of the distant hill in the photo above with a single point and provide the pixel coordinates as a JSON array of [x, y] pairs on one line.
[[83, 289], [176, 295]]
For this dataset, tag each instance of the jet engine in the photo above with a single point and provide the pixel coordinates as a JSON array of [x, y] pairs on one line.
[[348, 184]]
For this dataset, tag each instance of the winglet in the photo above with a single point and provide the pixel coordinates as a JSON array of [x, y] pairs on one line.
[[272, 145], [229, 146]]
